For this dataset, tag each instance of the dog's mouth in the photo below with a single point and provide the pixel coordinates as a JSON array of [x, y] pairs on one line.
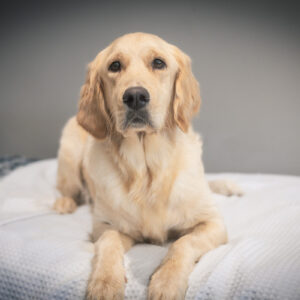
[[137, 119]]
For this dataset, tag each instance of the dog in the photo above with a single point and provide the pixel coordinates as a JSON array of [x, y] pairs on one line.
[[132, 153]]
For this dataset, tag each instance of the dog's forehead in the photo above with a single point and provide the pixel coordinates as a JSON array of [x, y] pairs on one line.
[[137, 43]]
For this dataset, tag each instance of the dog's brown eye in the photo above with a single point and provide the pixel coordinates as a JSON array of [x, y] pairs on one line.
[[115, 66], [158, 64]]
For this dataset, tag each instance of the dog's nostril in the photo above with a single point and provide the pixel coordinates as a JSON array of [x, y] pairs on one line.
[[143, 97], [128, 98], [136, 97]]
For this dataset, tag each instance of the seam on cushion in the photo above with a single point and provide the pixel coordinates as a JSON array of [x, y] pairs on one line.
[[22, 218]]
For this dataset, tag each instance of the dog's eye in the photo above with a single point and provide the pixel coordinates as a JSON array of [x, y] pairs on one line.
[[115, 66], [158, 64]]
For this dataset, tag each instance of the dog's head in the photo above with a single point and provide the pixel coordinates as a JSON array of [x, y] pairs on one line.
[[139, 83]]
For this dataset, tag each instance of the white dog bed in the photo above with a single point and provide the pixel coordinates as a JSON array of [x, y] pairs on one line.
[[47, 256]]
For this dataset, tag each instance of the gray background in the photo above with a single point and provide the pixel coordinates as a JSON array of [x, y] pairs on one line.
[[245, 55]]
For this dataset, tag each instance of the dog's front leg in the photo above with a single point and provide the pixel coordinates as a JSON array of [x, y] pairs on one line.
[[170, 280], [107, 280]]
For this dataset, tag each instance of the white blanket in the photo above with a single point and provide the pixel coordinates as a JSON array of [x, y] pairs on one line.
[[47, 256]]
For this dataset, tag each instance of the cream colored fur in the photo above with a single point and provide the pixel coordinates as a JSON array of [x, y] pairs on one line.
[[146, 183]]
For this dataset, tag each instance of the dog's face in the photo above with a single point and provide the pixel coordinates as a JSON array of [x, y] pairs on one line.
[[139, 83]]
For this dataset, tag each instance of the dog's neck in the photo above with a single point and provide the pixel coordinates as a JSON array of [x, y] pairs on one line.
[[144, 156]]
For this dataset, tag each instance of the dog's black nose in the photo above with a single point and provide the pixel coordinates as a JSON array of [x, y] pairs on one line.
[[136, 97]]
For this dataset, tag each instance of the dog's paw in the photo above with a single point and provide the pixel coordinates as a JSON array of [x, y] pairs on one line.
[[65, 205], [225, 187], [167, 283], [106, 286]]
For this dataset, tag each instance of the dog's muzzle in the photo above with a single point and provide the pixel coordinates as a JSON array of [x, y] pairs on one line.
[[136, 100]]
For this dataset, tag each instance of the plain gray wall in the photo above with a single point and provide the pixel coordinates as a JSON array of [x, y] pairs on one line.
[[245, 55]]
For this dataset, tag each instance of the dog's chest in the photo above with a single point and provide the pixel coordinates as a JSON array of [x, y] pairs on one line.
[[147, 213], [141, 211], [136, 196]]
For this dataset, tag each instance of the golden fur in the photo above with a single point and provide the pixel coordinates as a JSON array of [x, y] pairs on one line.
[[146, 183]]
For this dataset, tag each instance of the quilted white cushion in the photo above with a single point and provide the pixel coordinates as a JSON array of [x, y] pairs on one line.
[[47, 256]]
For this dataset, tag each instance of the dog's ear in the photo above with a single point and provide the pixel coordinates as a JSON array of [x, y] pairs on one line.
[[92, 114], [187, 93]]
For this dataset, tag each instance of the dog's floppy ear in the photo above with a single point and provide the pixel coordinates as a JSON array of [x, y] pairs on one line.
[[92, 114], [187, 94]]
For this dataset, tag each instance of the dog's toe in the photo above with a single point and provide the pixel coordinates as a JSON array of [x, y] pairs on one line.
[[65, 205]]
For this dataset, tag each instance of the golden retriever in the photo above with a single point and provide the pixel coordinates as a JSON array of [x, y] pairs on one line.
[[131, 150]]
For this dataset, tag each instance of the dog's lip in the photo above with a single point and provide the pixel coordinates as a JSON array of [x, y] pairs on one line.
[[137, 122], [137, 119]]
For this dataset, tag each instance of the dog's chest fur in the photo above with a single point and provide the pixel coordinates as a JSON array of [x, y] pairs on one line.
[[136, 198]]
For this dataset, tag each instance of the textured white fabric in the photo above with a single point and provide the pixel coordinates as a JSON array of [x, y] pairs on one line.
[[47, 256]]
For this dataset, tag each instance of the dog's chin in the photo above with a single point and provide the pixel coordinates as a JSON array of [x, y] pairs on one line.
[[136, 128]]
